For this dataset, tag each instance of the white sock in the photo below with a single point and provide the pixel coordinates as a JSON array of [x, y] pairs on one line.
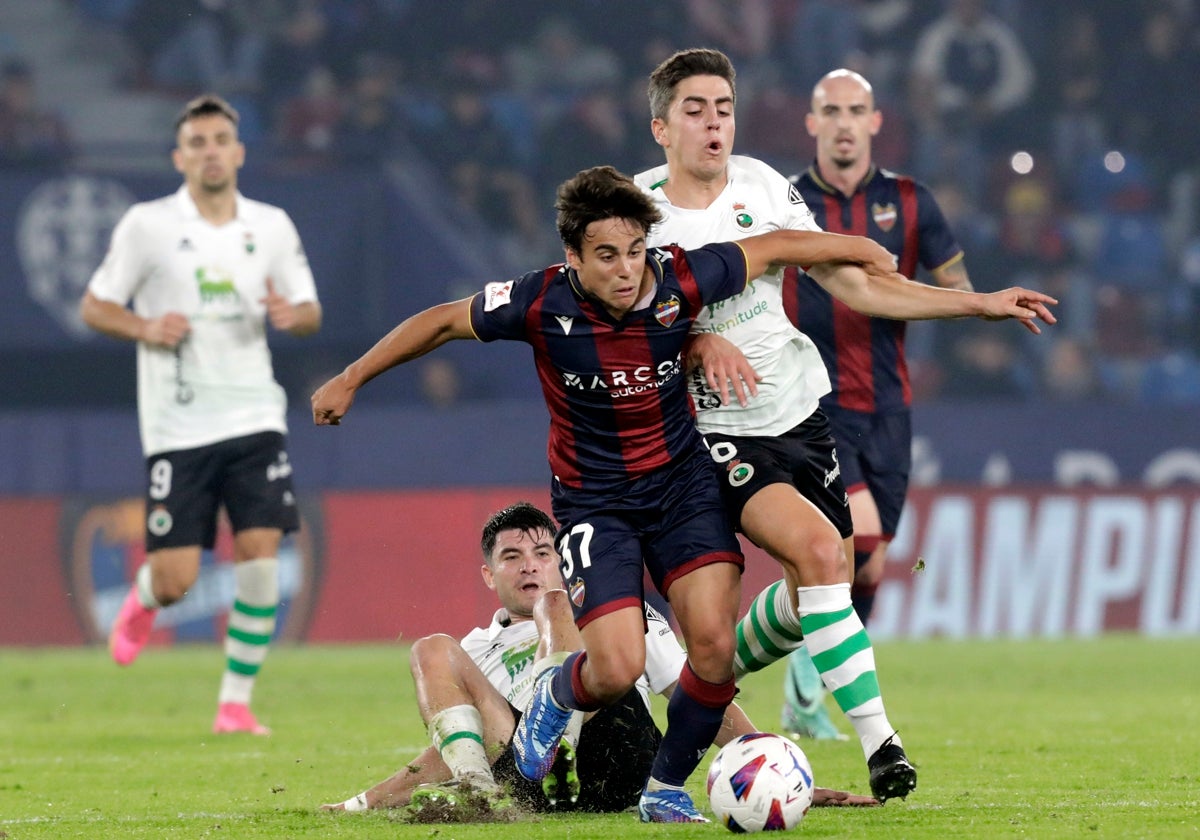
[[145, 588]]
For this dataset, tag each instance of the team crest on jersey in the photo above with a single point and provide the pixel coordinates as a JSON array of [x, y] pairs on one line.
[[665, 312], [743, 217], [496, 295], [249, 242], [577, 591], [884, 215]]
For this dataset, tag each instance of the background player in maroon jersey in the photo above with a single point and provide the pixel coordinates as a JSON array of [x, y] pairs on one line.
[[869, 406]]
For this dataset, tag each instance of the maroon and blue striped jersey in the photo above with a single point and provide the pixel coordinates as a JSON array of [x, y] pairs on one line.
[[865, 355], [615, 389]]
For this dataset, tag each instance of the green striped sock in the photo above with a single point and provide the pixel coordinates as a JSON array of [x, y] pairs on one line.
[[768, 631], [842, 652], [250, 628]]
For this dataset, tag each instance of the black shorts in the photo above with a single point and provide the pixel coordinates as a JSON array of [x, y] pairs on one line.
[[875, 451], [617, 746], [804, 457], [249, 476]]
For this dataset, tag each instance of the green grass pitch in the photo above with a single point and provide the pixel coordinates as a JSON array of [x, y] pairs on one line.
[[1044, 739]]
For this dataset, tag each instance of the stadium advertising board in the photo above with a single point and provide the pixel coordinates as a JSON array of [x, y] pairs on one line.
[[380, 566]]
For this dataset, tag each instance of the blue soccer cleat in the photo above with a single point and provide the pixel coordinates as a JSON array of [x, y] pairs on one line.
[[535, 743], [668, 806]]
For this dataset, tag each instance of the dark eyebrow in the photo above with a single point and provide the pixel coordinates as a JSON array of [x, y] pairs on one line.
[[700, 100]]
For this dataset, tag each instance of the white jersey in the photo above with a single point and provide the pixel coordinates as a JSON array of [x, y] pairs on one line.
[[504, 652], [757, 199], [219, 383]]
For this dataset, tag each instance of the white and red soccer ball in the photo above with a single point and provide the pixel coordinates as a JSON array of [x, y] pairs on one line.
[[760, 782]]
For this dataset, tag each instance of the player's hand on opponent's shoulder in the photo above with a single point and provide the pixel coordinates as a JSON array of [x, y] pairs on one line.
[[332, 400], [1023, 304], [828, 798], [724, 365], [166, 330]]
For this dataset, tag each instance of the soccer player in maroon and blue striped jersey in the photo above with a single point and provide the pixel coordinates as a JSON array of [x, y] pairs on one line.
[[633, 482], [869, 406]]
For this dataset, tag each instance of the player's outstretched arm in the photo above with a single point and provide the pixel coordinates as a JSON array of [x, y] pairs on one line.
[[809, 247], [396, 790], [414, 337], [891, 295]]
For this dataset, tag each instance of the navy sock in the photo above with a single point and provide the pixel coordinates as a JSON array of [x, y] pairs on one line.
[[694, 716]]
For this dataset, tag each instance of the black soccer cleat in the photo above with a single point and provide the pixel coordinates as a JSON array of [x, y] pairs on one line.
[[891, 773]]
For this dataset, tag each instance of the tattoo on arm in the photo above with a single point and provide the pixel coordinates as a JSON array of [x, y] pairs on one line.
[[954, 276]]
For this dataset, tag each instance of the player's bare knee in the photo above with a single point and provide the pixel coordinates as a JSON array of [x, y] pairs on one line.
[[710, 650], [827, 562], [430, 650]]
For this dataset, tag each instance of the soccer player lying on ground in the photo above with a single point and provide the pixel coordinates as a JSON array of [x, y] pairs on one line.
[[470, 696], [633, 482]]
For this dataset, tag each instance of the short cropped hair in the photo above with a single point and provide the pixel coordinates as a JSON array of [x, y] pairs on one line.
[[683, 65], [522, 517], [206, 105], [601, 193]]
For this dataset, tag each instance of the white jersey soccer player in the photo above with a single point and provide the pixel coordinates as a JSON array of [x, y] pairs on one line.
[[207, 271], [756, 199], [219, 383], [504, 652]]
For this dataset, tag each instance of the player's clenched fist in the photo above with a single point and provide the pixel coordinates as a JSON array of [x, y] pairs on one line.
[[332, 400]]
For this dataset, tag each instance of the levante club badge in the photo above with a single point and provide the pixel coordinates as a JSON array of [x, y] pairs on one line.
[[667, 311]]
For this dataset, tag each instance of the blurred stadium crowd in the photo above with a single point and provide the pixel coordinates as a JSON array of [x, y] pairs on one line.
[[1058, 136]]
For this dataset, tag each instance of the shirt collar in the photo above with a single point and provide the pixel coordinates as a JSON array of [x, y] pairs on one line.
[[187, 206], [815, 174]]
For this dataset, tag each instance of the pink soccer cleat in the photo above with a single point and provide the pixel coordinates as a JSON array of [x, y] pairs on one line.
[[237, 717], [131, 630]]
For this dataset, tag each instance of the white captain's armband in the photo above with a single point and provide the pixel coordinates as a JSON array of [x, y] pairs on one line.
[[496, 295]]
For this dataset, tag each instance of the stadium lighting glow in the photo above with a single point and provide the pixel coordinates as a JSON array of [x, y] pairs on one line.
[[1021, 163]]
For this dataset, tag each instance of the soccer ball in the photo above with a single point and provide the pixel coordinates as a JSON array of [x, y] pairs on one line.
[[760, 782]]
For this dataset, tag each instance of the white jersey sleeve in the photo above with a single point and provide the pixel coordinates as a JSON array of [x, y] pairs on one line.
[[756, 200], [124, 266], [289, 270]]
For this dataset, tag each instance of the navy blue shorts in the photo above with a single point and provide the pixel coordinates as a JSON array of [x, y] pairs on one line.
[[249, 476], [875, 451], [672, 521], [804, 457]]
